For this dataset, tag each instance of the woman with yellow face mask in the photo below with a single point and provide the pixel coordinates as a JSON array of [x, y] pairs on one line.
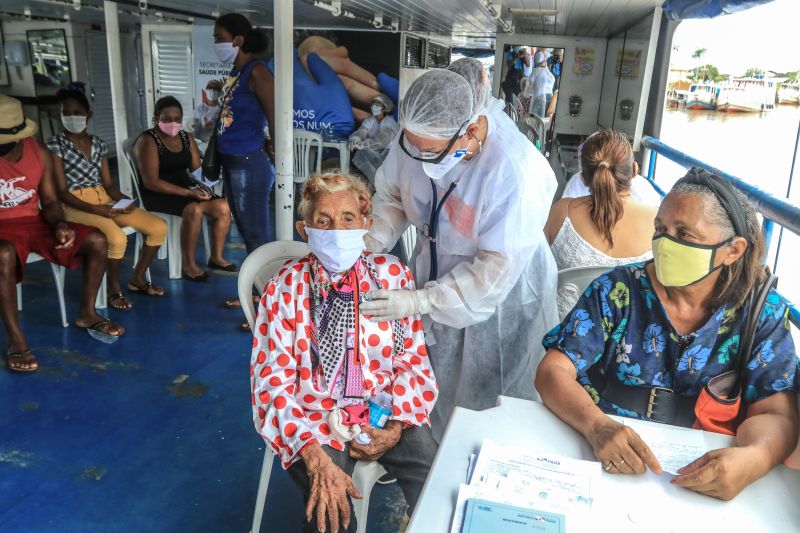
[[644, 341]]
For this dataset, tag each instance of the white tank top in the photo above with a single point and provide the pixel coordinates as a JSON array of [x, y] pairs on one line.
[[571, 250]]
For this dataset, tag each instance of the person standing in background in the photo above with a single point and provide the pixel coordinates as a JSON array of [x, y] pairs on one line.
[[204, 117], [248, 106], [543, 81]]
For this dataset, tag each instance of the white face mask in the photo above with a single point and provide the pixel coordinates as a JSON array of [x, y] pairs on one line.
[[436, 171], [226, 52], [337, 249], [376, 109], [74, 124], [212, 94]]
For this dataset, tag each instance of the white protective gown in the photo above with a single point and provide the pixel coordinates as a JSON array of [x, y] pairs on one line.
[[495, 296]]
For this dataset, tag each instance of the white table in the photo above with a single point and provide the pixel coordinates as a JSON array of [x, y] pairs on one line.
[[344, 152], [645, 503]]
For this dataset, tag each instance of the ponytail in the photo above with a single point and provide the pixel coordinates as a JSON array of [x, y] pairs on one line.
[[607, 167], [255, 41], [606, 205]]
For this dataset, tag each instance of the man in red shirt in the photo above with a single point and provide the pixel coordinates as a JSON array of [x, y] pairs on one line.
[[32, 220]]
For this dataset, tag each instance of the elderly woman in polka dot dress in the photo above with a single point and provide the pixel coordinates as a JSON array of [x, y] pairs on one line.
[[317, 361]]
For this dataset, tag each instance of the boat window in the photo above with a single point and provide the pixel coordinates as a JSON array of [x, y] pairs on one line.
[[49, 60]]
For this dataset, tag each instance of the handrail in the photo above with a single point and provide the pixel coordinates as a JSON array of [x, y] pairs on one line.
[[774, 210], [780, 211]]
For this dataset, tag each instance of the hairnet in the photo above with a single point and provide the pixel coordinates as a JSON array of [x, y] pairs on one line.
[[538, 58], [387, 103], [472, 70], [437, 105]]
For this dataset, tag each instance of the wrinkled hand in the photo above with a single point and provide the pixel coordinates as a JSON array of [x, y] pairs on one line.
[[721, 473], [383, 440], [620, 449], [330, 487], [65, 236], [383, 305]]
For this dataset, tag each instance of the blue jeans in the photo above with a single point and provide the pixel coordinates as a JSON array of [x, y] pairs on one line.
[[248, 181]]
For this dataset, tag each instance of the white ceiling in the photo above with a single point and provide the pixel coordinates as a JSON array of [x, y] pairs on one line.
[[455, 18]]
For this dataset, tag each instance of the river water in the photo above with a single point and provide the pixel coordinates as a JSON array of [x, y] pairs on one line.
[[757, 148]]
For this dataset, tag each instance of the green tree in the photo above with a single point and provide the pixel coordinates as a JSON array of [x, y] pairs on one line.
[[752, 72], [698, 55]]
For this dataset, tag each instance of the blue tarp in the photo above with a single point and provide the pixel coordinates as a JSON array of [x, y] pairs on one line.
[[698, 9]]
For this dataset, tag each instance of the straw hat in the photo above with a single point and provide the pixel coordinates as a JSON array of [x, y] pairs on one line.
[[13, 124]]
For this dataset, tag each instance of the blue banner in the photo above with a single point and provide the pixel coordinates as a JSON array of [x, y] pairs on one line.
[[698, 9]]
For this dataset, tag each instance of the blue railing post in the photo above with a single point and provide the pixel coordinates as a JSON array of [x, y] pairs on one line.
[[767, 226], [651, 166]]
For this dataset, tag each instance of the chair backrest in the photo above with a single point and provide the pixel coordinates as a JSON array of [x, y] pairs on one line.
[[511, 111], [519, 107], [303, 142], [539, 126], [408, 240], [580, 277], [259, 267], [127, 149]]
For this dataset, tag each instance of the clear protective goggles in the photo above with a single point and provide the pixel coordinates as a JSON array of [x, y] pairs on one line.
[[429, 157]]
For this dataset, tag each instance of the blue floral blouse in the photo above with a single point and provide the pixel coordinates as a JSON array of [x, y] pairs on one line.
[[619, 323]]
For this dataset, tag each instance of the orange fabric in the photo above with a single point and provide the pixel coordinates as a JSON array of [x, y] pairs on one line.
[[715, 416]]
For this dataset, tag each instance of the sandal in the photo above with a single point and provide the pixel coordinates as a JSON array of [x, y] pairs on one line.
[[202, 278], [116, 297], [103, 326], [15, 360], [148, 289], [230, 267], [245, 326]]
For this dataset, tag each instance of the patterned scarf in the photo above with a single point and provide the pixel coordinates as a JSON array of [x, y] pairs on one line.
[[333, 317]]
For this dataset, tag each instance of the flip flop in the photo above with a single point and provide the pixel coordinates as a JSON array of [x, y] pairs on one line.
[[24, 355], [97, 325], [145, 289], [202, 278], [119, 296], [233, 267]]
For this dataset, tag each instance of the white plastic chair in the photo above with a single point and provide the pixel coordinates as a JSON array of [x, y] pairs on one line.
[[303, 142], [58, 278], [580, 277], [511, 111], [172, 248], [408, 241], [256, 271]]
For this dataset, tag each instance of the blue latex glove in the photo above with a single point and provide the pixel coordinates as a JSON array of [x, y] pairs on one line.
[[390, 87], [321, 101]]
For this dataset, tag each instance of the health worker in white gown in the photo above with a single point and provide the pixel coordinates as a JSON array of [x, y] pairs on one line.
[[478, 194]]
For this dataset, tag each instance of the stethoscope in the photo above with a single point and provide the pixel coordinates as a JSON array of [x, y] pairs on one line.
[[436, 209]]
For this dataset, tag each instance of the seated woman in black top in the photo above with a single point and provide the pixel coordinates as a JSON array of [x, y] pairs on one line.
[[165, 155]]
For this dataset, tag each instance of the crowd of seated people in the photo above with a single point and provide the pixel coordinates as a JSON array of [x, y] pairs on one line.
[[668, 317]]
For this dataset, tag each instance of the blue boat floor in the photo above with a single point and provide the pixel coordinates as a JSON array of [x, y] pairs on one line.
[[108, 437]]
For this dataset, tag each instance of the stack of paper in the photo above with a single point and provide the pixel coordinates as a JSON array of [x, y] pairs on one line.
[[557, 490]]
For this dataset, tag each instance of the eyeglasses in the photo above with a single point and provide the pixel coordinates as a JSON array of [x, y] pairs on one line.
[[428, 157]]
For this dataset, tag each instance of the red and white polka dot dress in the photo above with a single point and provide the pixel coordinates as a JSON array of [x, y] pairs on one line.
[[288, 409]]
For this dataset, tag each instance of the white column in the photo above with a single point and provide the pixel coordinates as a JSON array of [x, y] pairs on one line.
[[284, 111], [117, 92]]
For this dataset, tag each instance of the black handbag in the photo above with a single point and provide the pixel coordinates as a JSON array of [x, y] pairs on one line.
[[211, 163]]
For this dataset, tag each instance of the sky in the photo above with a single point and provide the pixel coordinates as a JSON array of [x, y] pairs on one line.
[[766, 37]]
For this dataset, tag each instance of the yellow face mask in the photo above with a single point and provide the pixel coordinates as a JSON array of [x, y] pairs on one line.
[[680, 263]]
